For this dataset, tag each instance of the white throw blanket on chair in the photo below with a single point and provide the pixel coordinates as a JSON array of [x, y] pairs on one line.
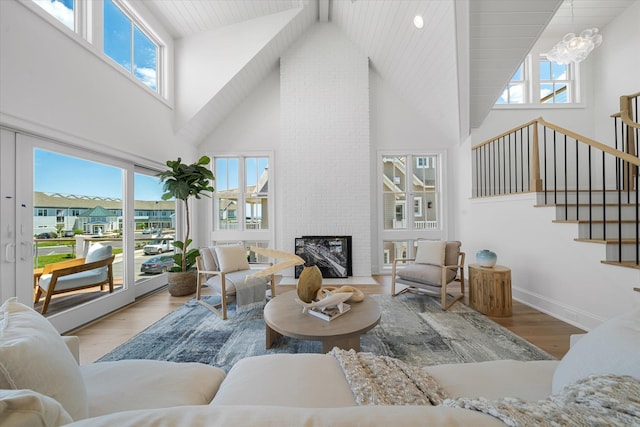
[[250, 294]]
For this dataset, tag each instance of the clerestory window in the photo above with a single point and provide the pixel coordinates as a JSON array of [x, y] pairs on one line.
[[541, 81], [129, 45], [125, 39], [62, 10]]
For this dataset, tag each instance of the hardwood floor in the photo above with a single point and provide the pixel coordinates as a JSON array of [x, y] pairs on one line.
[[103, 335]]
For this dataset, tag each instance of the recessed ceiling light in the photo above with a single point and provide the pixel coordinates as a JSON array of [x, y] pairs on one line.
[[418, 21]]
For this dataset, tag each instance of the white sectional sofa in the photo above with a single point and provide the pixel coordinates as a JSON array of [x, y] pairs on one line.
[[42, 384]]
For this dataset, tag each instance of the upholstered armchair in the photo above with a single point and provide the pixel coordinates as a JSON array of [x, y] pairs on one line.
[[224, 269], [436, 265], [96, 269]]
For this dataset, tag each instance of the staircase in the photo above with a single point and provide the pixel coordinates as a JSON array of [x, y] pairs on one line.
[[611, 224], [590, 184]]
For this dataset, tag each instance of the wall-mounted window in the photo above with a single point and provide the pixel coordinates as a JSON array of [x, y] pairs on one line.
[[125, 39], [242, 210], [62, 10], [515, 92], [129, 45], [555, 82], [541, 82]]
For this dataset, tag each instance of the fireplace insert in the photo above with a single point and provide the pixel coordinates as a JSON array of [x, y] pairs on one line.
[[332, 255]]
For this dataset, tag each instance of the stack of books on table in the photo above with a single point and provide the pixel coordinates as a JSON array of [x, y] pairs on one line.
[[329, 313]]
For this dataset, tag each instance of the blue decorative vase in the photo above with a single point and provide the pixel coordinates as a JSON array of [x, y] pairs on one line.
[[486, 258]]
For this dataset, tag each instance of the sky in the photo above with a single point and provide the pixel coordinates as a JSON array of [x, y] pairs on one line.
[[58, 173]]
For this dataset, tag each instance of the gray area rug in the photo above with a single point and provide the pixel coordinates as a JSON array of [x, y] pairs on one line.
[[413, 328]]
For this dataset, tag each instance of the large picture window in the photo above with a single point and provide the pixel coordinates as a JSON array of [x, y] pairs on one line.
[[411, 203], [247, 209]]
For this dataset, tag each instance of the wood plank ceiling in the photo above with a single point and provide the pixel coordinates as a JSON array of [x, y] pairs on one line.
[[421, 64]]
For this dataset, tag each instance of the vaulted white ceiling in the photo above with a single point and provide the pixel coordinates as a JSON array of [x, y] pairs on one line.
[[422, 64]]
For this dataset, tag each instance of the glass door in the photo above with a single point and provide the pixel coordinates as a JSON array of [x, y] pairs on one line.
[[78, 203], [154, 231]]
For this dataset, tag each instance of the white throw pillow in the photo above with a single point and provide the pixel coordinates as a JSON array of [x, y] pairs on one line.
[[208, 255], [430, 252], [97, 252], [232, 258], [27, 408], [34, 356], [611, 348]]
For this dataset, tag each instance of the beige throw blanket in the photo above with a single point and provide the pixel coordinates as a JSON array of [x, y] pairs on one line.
[[604, 400], [382, 380], [250, 294]]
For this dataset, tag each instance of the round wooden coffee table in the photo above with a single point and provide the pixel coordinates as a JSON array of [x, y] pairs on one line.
[[284, 316]]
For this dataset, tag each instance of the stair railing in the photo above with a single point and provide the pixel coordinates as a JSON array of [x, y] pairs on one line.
[[569, 169]]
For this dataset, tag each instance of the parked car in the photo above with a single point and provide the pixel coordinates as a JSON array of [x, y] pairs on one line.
[[157, 264], [155, 247], [152, 231], [44, 236]]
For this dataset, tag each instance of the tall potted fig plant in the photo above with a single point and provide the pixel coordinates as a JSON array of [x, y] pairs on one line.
[[183, 182]]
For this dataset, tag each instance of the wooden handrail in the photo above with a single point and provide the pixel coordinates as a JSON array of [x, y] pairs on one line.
[[625, 110], [515, 129], [595, 144]]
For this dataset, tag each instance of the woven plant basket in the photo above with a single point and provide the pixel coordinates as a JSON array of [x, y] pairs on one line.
[[182, 283]]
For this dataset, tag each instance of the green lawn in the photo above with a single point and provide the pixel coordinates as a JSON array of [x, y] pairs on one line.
[[50, 259]]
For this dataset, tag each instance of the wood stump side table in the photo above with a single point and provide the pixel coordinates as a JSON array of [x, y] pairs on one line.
[[490, 290]]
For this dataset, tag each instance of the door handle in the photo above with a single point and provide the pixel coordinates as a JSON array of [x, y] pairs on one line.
[[8, 251], [23, 251]]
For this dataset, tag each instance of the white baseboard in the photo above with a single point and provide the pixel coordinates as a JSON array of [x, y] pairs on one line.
[[568, 314]]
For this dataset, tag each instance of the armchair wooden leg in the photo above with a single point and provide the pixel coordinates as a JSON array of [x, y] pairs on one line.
[[223, 288], [45, 306], [273, 286], [393, 280], [37, 295]]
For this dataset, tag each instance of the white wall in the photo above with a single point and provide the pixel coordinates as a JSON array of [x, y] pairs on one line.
[[55, 86], [551, 271], [207, 61], [252, 127], [617, 69], [323, 169], [397, 126]]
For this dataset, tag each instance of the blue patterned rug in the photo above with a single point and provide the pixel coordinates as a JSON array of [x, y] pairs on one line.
[[413, 328]]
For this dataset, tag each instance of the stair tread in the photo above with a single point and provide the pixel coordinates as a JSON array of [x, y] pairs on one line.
[[628, 264], [586, 191], [573, 205], [624, 241], [594, 221]]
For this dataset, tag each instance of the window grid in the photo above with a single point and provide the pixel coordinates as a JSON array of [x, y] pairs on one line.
[[141, 57], [545, 82], [554, 88], [515, 92], [76, 16]]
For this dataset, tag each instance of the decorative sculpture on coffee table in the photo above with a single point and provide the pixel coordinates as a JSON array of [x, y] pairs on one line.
[[309, 287]]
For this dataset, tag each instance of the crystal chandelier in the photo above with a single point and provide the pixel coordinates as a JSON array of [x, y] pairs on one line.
[[574, 48]]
